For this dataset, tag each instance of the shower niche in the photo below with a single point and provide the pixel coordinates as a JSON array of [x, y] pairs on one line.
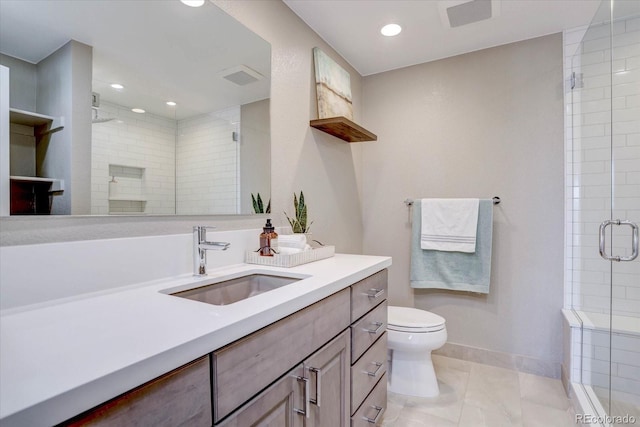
[[127, 195]]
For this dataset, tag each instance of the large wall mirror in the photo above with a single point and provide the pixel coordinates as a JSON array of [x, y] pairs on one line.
[[154, 107]]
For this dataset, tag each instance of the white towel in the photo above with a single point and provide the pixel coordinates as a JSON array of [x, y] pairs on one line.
[[284, 250], [297, 240], [449, 225]]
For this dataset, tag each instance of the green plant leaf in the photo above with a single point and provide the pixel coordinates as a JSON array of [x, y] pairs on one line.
[[303, 218], [260, 205], [268, 207], [301, 206], [255, 204]]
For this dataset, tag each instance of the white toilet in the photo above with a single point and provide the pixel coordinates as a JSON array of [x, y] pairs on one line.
[[412, 335]]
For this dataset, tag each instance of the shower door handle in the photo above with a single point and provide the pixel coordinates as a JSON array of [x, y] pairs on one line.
[[634, 240]]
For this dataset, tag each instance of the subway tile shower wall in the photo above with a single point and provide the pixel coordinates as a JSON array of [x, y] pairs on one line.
[[207, 179], [132, 163], [144, 163], [590, 130]]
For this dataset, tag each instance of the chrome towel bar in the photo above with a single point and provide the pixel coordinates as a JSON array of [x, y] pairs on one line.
[[496, 201]]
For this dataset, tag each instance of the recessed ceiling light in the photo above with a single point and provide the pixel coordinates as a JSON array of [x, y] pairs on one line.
[[171, 103], [138, 110], [117, 86], [193, 3], [391, 30]]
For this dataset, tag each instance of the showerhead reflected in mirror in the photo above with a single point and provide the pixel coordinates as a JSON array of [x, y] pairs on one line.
[[177, 104]]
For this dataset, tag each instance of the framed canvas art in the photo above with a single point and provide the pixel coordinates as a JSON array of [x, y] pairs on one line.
[[333, 87]]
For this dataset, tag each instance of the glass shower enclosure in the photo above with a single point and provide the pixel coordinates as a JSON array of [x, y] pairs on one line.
[[604, 184]]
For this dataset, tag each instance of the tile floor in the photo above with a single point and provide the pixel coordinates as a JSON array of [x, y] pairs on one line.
[[476, 395]]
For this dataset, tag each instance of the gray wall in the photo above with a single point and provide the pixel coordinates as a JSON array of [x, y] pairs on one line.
[[255, 158], [484, 124], [54, 99], [22, 89], [64, 90], [23, 82], [82, 69]]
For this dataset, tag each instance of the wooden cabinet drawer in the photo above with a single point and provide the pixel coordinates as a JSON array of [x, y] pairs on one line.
[[368, 293], [373, 407], [247, 366], [367, 371], [367, 330], [180, 398]]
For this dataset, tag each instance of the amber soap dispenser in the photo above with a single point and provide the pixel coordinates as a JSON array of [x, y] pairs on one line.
[[268, 240]]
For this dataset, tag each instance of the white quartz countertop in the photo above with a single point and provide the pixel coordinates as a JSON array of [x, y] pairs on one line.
[[61, 359]]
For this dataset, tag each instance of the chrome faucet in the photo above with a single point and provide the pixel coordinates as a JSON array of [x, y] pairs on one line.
[[200, 248]]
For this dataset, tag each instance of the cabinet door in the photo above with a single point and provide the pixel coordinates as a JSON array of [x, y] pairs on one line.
[[328, 373], [179, 398], [283, 404]]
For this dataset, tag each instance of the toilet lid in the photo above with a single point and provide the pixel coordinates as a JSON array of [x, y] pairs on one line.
[[407, 319]]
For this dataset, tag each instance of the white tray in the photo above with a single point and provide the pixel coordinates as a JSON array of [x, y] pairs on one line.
[[291, 260]]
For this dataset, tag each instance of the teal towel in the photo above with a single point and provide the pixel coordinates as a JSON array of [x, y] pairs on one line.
[[456, 271]]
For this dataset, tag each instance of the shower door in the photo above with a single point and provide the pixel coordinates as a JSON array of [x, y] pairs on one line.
[[618, 234], [606, 207]]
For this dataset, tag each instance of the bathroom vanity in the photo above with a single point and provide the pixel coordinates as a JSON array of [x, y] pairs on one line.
[[310, 353]]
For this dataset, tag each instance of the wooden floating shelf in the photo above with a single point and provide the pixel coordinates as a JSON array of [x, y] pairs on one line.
[[343, 128]]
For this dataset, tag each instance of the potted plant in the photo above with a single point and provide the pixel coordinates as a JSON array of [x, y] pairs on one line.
[[299, 221]]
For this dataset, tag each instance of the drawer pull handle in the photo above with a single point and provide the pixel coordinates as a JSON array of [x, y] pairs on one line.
[[375, 373], [380, 326], [380, 410], [318, 373], [377, 293], [304, 411]]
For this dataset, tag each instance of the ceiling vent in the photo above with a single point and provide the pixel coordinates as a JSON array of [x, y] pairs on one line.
[[241, 75], [456, 13]]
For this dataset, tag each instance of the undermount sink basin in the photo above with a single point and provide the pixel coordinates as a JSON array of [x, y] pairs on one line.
[[233, 290]]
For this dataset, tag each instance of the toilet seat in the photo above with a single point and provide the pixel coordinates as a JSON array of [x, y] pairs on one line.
[[407, 319]]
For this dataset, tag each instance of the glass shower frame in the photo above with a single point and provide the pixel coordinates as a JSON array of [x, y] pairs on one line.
[[604, 178]]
